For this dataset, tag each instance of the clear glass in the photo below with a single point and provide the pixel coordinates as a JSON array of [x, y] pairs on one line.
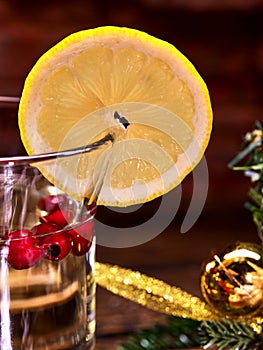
[[47, 255]]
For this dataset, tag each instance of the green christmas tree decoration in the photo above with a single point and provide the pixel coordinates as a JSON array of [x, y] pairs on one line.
[[230, 335], [251, 155], [176, 333]]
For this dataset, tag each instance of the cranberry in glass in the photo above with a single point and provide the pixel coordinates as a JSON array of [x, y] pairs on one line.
[[24, 250], [92, 208], [41, 230], [57, 246], [58, 217], [82, 238], [51, 202]]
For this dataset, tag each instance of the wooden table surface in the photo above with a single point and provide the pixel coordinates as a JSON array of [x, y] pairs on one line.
[[224, 41]]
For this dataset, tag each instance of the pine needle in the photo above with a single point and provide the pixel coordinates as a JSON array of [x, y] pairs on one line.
[[229, 335], [176, 333]]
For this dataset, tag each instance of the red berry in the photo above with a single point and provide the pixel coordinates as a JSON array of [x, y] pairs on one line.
[[57, 246], [17, 234], [82, 238], [92, 209], [51, 202], [58, 217], [24, 250], [43, 229]]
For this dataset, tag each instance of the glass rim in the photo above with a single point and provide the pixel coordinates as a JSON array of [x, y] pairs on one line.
[[30, 159], [5, 240]]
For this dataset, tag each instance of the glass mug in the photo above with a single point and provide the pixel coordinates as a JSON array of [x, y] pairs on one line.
[[47, 256]]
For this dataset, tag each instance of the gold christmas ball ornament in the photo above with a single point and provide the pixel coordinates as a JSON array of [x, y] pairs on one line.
[[232, 281]]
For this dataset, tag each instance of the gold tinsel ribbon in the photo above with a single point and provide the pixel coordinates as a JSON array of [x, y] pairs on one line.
[[151, 292]]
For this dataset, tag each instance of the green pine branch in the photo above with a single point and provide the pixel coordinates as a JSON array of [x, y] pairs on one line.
[[251, 155], [174, 334], [180, 333], [229, 335]]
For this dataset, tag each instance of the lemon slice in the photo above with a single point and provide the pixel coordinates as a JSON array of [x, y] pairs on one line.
[[121, 81]]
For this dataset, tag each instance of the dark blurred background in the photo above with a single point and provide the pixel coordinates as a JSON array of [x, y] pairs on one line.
[[224, 40]]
